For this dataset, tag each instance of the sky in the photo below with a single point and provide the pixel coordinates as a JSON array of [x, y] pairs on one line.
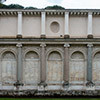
[[68, 4]]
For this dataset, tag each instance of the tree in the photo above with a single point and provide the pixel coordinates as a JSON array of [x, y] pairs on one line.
[[55, 7], [30, 8], [15, 6]]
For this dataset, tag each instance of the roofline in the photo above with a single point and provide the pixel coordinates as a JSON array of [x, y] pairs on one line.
[[40, 10]]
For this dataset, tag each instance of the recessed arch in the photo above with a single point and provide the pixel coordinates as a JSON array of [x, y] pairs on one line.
[[54, 67], [77, 55], [96, 67], [31, 68], [77, 67], [31, 55], [9, 66], [8, 55], [97, 55], [54, 55]]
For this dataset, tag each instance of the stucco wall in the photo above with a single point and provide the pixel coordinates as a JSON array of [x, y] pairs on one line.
[[96, 26], [31, 26], [78, 26], [8, 26], [60, 21]]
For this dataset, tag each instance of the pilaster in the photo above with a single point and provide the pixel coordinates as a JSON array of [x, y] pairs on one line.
[[19, 34], [43, 17], [66, 35], [89, 65], [66, 64], [90, 35], [19, 64], [43, 64]]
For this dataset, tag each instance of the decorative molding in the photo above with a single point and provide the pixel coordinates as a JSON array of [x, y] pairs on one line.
[[50, 12], [66, 45], [19, 45], [43, 45], [90, 45]]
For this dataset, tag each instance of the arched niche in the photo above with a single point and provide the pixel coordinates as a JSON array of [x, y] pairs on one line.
[[9, 66], [77, 55], [54, 67], [77, 67], [96, 67], [31, 68]]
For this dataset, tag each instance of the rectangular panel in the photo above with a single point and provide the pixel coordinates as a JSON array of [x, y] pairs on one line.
[[54, 71], [96, 26], [96, 70], [77, 70], [9, 71], [31, 26], [8, 26], [58, 19], [31, 71], [78, 26]]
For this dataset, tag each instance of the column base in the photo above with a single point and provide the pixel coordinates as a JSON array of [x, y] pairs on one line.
[[43, 36], [19, 36], [66, 84], [90, 36], [42, 84], [66, 36], [18, 84], [90, 84]]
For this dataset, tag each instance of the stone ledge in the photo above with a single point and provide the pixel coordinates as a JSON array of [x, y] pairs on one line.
[[60, 93]]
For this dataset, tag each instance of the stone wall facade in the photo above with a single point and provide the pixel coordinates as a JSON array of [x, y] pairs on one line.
[[52, 58]]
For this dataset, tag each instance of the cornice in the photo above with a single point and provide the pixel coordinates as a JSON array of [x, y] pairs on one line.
[[50, 12]]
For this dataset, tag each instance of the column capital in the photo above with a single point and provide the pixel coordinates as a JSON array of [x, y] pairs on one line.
[[43, 45], [66, 45], [19, 45], [89, 45]]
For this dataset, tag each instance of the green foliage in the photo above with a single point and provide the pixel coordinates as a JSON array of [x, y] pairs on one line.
[[12, 6], [55, 7], [2, 6], [15, 6], [30, 8]]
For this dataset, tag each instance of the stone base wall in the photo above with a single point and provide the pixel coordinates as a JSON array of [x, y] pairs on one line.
[[63, 67]]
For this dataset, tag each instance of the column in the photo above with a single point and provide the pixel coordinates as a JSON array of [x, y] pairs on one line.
[[66, 35], [19, 63], [89, 65], [43, 17], [66, 64], [19, 34], [43, 64], [90, 35]]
